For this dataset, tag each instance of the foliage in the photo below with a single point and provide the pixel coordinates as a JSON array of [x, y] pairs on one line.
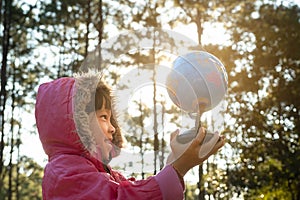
[[27, 180], [264, 101], [18, 80], [50, 39]]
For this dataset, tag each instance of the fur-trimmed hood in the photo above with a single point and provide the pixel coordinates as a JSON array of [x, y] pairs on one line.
[[61, 117]]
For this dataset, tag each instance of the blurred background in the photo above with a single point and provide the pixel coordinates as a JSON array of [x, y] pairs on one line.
[[258, 41]]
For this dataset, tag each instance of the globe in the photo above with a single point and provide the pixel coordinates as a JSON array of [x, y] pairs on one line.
[[197, 82]]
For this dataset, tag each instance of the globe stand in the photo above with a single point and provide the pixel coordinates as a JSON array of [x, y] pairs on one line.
[[190, 134]]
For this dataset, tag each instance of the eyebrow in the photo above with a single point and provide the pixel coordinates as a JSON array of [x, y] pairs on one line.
[[104, 110]]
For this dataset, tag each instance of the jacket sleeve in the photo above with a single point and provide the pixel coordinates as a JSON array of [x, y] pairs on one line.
[[169, 183], [84, 182]]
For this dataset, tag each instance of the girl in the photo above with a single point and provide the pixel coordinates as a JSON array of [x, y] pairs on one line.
[[80, 135]]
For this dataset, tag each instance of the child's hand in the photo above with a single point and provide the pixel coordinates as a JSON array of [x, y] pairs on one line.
[[186, 156], [177, 148]]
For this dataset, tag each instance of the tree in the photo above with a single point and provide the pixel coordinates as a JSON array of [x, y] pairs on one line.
[[202, 13], [139, 15], [264, 100], [3, 94], [51, 39], [26, 181], [17, 82]]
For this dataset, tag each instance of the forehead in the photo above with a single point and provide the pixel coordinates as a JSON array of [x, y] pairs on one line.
[[103, 110]]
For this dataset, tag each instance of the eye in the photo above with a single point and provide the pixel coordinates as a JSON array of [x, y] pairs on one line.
[[105, 117]]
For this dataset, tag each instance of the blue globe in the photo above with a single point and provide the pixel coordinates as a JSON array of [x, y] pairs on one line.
[[197, 82]]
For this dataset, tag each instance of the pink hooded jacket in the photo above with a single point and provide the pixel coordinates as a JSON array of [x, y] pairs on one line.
[[72, 172]]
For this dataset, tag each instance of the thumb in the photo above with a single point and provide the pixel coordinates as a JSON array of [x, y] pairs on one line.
[[170, 159]]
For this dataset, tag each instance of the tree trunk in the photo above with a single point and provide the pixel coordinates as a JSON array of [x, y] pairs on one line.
[[200, 183], [141, 137], [88, 22], [100, 34], [3, 93], [200, 171], [12, 140], [156, 141], [18, 164], [162, 158]]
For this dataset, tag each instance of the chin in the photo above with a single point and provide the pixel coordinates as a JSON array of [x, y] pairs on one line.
[[106, 159]]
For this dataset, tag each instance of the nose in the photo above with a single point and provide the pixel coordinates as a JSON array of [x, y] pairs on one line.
[[110, 132], [112, 129]]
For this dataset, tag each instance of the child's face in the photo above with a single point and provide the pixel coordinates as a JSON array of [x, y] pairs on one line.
[[104, 136]]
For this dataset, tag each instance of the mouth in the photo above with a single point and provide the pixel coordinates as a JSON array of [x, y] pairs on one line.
[[108, 140]]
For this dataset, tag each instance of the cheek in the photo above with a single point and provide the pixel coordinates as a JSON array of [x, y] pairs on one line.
[[101, 125], [95, 127], [104, 128]]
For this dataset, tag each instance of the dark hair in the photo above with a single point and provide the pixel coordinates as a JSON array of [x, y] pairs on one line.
[[102, 96]]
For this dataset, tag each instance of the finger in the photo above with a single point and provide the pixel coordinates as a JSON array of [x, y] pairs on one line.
[[221, 143], [200, 136], [218, 145], [213, 150], [174, 134], [207, 146]]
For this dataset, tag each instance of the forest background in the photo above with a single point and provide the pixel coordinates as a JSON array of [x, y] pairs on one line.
[[259, 46]]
